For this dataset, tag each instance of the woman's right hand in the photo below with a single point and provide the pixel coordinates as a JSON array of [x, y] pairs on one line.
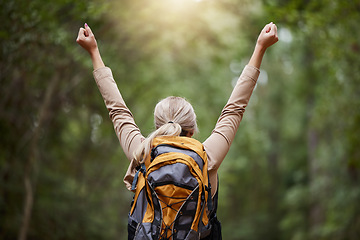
[[268, 36], [86, 39]]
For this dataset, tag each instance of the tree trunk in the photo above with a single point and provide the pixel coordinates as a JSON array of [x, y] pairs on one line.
[[316, 215], [33, 160]]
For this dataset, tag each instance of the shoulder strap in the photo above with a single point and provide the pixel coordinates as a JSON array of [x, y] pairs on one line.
[[214, 201], [138, 184], [140, 169]]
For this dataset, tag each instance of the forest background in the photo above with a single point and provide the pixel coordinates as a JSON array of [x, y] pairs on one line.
[[293, 169]]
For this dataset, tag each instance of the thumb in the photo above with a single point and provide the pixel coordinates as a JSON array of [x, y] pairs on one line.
[[88, 30], [268, 27], [81, 34]]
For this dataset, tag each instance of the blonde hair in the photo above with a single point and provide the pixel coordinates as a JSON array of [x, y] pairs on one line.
[[173, 116]]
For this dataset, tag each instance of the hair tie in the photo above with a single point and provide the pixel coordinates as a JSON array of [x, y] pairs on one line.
[[170, 122]]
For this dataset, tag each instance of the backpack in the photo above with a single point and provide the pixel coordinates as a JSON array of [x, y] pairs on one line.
[[172, 192]]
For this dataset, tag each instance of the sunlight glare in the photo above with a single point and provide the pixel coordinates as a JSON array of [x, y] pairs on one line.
[[182, 4]]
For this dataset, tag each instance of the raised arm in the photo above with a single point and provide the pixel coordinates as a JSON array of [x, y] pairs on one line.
[[126, 130], [86, 39], [218, 144]]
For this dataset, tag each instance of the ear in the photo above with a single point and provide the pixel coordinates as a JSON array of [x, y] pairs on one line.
[[190, 134]]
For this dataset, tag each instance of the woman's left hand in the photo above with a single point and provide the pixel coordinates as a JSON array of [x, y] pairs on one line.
[[86, 39]]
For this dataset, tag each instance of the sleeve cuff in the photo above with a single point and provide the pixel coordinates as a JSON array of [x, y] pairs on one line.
[[102, 72], [251, 72]]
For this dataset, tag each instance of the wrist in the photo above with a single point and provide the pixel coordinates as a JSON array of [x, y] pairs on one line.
[[96, 58], [257, 56], [94, 52], [260, 48]]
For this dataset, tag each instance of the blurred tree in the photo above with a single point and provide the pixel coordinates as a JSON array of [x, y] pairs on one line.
[[331, 61], [304, 121], [50, 140]]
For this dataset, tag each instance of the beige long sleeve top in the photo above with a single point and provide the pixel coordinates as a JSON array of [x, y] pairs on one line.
[[216, 145]]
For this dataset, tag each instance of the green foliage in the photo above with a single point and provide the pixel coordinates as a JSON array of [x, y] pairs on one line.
[[305, 113], [49, 130]]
